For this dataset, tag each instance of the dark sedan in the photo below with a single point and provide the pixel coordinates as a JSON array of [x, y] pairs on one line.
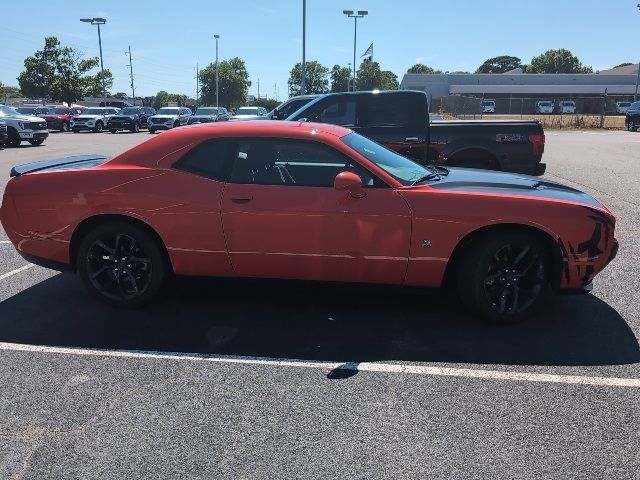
[[130, 118], [209, 114], [632, 117]]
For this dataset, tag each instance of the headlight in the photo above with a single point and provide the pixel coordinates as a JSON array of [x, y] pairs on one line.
[[21, 125], [132, 117]]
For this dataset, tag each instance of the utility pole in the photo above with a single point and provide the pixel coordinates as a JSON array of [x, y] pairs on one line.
[[133, 90], [217, 77], [304, 46], [258, 88], [635, 96], [355, 16], [197, 85]]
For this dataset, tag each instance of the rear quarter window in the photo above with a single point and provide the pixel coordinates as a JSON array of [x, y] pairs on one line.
[[209, 159]]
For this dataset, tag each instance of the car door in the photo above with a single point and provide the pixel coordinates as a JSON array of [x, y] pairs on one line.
[[283, 218]]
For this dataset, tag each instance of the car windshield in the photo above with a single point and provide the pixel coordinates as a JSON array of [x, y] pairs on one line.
[[7, 111], [26, 110], [129, 111], [624, 104], [401, 168], [488, 103], [545, 104], [207, 111], [58, 111], [93, 111], [169, 111], [247, 111]]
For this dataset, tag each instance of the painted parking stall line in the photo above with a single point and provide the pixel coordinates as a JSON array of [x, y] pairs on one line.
[[329, 366], [5, 241], [16, 271]]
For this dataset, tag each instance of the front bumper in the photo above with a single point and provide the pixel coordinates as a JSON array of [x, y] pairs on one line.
[[34, 135], [83, 126], [159, 126], [121, 125]]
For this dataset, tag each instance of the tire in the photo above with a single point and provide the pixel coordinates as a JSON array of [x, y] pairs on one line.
[[136, 128], [176, 124], [152, 130], [503, 277], [111, 130], [14, 138], [122, 264], [631, 127], [64, 127], [99, 127], [36, 142], [76, 131]]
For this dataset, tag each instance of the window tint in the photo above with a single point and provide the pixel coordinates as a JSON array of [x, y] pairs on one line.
[[293, 162], [292, 106], [339, 112], [209, 159], [389, 110]]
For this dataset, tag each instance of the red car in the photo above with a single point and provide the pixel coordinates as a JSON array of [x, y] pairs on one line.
[[307, 201], [59, 118]]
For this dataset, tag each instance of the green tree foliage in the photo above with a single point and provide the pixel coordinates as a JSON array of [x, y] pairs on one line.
[[9, 92], [340, 77], [370, 77], [317, 80], [557, 61], [233, 81], [501, 64], [121, 96], [389, 80], [61, 74], [268, 103], [422, 68], [162, 99], [625, 64]]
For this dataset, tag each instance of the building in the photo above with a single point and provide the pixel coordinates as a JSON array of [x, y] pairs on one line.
[[516, 91]]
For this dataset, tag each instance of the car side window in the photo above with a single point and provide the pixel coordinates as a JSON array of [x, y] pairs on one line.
[[275, 161], [387, 110], [338, 112], [209, 159]]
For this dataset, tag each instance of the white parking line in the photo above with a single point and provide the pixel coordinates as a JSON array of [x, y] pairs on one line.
[[328, 366], [5, 241], [17, 270]]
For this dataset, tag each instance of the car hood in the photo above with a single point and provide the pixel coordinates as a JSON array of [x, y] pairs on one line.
[[123, 117], [503, 183], [165, 117], [204, 117], [23, 118], [88, 117], [246, 116]]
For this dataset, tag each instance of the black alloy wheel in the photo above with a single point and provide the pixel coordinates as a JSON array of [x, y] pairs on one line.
[[122, 264], [64, 127], [504, 278], [99, 127]]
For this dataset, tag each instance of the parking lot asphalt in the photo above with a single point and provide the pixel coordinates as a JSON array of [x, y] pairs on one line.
[[257, 379]]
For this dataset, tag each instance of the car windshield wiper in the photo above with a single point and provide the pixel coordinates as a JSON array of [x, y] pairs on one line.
[[436, 173]]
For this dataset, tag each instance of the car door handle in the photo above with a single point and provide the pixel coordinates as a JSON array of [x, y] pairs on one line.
[[411, 139], [241, 199]]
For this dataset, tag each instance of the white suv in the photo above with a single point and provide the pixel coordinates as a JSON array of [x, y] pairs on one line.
[[488, 106], [93, 119], [544, 106], [567, 106], [23, 127]]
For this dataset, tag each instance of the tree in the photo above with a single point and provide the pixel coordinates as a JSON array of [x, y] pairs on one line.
[[233, 81], [625, 64], [60, 73], [268, 103], [501, 64], [557, 61], [121, 96], [9, 92], [340, 77], [316, 79], [99, 84], [162, 99], [389, 80], [422, 68]]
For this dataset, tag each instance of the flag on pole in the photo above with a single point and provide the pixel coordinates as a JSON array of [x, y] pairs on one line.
[[369, 52]]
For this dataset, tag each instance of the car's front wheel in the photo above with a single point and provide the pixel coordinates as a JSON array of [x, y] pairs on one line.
[[64, 127], [122, 264], [504, 277], [631, 127], [135, 128], [99, 127], [14, 138]]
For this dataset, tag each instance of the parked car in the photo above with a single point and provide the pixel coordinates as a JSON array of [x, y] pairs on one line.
[[488, 106], [209, 114], [34, 111], [398, 119], [289, 106], [130, 118], [622, 107], [59, 118], [250, 113], [567, 107], [23, 127], [304, 201], [632, 117], [3, 133], [93, 119], [169, 117], [116, 104], [544, 107]]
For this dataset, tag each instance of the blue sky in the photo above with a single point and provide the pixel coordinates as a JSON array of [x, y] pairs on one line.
[[168, 38]]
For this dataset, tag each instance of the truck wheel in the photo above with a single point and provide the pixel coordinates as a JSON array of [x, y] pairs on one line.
[[36, 142], [122, 264], [99, 127], [14, 138], [504, 278], [111, 130], [136, 128]]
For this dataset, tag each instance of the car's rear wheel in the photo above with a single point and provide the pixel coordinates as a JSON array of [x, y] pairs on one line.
[[152, 130], [135, 128], [631, 127], [504, 277], [99, 127], [176, 124], [122, 264], [64, 127]]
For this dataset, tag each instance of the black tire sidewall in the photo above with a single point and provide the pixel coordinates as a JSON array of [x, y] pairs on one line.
[[100, 128], [14, 139], [149, 246], [473, 268]]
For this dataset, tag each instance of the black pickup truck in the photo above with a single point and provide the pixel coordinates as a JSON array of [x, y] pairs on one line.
[[399, 119]]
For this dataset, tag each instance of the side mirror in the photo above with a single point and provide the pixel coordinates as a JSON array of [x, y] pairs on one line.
[[349, 182]]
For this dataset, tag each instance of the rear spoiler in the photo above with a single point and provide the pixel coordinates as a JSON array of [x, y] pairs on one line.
[[75, 161]]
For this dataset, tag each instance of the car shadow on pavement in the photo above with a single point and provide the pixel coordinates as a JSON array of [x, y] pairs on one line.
[[316, 321]]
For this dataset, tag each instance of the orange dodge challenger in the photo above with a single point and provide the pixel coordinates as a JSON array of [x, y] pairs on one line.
[[298, 200]]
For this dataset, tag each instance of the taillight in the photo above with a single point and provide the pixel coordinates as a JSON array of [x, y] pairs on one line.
[[537, 142]]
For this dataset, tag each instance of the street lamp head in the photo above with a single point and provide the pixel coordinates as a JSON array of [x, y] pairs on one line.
[[216, 36], [94, 21], [86, 20], [363, 12], [348, 12]]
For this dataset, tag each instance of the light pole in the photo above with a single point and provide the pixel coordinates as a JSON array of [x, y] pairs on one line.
[[217, 78], [98, 21], [304, 46], [355, 16], [635, 96]]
